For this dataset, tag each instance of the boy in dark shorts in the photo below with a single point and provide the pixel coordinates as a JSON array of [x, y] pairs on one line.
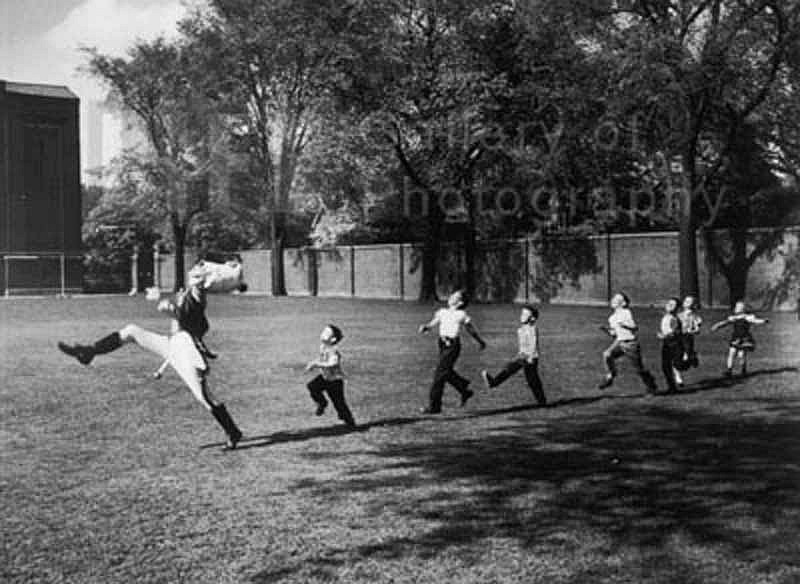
[[330, 381]]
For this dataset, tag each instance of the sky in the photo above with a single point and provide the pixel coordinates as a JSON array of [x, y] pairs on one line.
[[40, 39]]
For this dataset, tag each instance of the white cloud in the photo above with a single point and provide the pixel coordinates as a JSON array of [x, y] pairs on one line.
[[112, 25]]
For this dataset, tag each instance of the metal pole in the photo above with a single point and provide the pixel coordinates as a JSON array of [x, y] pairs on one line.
[[134, 271], [402, 269], [352, 270], [608, 267], [63, 266], [526, 249], [156, 267]]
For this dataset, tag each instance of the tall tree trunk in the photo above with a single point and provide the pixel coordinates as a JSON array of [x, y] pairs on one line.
[[470, 260], [430, 251], [277, 229], [737, 284], [430, 261], [689, 280], [736, 269], [470, 246], [736, 272], [179, 236], [687, 258]]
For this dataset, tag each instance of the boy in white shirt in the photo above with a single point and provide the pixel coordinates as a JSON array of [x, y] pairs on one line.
[[450, 321], [527, 358], [331, 378], [623, 328], [670, 333]]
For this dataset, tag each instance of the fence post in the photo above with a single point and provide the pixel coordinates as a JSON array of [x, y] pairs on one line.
[[156, 267], [134, 271], [352, 270], [526, 249], [608, 266], [402, 265], [313, 274], [710, 267], [63, 268]]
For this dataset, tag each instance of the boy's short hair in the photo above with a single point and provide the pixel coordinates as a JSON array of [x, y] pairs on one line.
[[337, 333], [532, 309], [462, 295], [625, 299]]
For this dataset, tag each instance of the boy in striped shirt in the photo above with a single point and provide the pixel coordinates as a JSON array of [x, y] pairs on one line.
[[330, 380], [527, 358]]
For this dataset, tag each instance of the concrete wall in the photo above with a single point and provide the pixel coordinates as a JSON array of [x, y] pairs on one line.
[[257, 270], [378, 271], [645, 266], [296, 269]]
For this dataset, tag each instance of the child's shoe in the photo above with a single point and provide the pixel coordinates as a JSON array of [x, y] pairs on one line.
[[487, 379], [320, 409], [606, 383], [465, 396], [430, 411], [82, 353]]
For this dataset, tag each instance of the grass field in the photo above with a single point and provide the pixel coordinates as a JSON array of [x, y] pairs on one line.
[[107, 475]]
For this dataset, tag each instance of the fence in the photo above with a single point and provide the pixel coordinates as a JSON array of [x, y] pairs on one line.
[[41, 273], [643, 265]]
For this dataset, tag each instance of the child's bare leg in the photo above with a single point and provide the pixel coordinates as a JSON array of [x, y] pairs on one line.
[[731, 357], [160, 371]]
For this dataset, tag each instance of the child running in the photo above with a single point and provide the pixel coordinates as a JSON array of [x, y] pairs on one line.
[[331, 378], [742, 341], [671, 344], [691, 321], [450, 321], [622, 328], [527, 359]]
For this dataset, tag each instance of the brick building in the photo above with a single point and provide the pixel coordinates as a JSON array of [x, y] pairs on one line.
[[40, 192]]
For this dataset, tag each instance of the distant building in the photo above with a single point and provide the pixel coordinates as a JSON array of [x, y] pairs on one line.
[[40, 194], [92, 155]]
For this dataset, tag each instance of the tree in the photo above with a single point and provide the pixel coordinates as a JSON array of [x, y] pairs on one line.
[[753, 213], [154, 83], [120, 222], [691, 76], [415, 74], [267, 65]]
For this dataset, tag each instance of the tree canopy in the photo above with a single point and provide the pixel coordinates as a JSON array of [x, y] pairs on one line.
[[469, 120]]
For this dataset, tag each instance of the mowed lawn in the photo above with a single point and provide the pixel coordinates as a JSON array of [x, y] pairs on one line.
[[107, 475]]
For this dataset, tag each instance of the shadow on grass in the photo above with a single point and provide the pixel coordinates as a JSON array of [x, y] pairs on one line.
[[648, 478], [710, 383], [263, 440]]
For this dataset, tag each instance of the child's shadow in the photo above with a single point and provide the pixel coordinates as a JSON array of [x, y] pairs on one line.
[[341, 430], [282, 437], [710, 383]]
